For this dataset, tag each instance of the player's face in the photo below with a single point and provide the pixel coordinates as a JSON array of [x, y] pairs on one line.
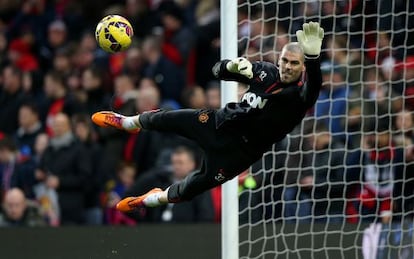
[[291, 66]]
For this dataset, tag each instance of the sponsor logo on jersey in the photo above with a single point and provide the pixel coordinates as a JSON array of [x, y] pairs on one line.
[[254, 101], [203, 117]]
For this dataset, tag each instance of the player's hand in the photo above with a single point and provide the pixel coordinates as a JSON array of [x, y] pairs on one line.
[[241, 66], [310, 38]]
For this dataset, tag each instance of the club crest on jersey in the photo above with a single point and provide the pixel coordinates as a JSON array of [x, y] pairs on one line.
[[254, 101], [203, 117]]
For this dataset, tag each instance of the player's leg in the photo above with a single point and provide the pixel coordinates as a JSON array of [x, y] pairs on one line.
[[107, 119], [198, 125], [191, 186], [218, 168], [153, 198]]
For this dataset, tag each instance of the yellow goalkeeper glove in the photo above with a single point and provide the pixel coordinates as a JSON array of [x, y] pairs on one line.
[[310, 38], [241, 66]]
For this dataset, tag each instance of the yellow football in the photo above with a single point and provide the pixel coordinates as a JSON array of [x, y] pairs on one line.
[[114, 33]]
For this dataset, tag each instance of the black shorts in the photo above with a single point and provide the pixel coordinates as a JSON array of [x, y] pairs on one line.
[[226, 154]]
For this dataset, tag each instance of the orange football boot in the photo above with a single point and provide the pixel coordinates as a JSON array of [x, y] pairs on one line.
[[107, 119], [130, 203]]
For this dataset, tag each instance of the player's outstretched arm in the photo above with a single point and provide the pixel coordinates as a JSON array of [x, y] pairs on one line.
[[238, 69], [310, 38]]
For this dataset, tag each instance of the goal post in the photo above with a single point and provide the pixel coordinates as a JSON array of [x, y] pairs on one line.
[[230, 203]]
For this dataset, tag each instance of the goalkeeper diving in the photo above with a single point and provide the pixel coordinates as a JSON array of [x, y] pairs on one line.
[[236, 136]]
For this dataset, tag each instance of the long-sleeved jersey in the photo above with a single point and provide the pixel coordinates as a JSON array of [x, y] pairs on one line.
[[270, 109]]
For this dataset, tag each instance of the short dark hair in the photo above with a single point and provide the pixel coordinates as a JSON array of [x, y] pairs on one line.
[[381, 125], [57, 77], [185, 150], [31, 106], [8, 143], [294, 47], [14, 69]]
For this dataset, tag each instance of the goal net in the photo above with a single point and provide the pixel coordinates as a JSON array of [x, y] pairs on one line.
[[341, 184]]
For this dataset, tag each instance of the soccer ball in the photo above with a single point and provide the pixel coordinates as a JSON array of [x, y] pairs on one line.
[[114, 33]]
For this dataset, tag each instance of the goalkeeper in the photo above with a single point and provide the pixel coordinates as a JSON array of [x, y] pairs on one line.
[[237, 135]]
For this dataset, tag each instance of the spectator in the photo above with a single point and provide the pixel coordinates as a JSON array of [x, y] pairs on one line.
[[84, 57], [372, 172], [403, 195], [281, 38], [134, 64], [16, 170], [213, 95], [408, 82], [183, 162], [88, 43], [261, 32], [147, 104], [148, 97], [84, 133], [67, 167], [19, 212], [331, 21], [57, 99], [178, 40], [30, 127], [207, 43], [11, 98], [33, 16], [40, 145], [270, 171], [376, 97], [320, 192], [361, 20], [393, 24], [168, 76], [19, 54], [330, 108], [96, 97], [403, 125], [8, 157], [125, 178], [194, 97], [142, 13], [112, 140], [125, 94], [56, 39], [32, 84], [3, 49], [342, 53], [45, 197], [382, 54], [62, 61]]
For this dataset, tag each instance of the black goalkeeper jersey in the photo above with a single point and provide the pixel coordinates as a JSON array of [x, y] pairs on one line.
[[270, 109]]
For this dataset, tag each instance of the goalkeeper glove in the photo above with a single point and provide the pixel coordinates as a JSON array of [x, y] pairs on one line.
[[241, 66], [310, 38]]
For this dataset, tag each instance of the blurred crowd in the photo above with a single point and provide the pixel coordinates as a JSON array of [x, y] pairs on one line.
[[350, 160], [54, 76]]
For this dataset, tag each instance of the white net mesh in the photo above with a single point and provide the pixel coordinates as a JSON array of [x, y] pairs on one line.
[[341, 184]]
